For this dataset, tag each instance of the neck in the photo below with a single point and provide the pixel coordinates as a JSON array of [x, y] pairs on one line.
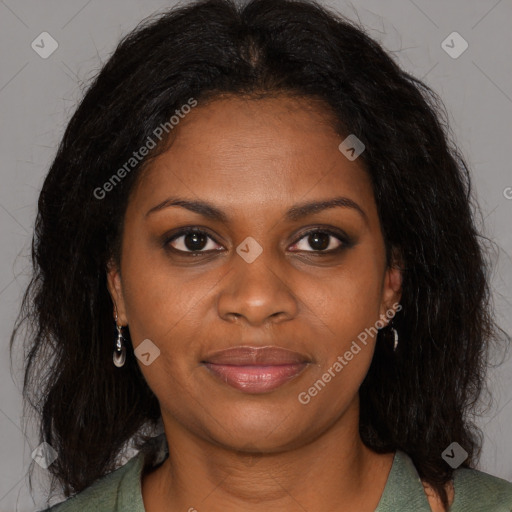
[[334, 471]]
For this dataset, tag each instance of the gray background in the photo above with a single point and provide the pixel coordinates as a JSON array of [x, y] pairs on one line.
[[37, 97]]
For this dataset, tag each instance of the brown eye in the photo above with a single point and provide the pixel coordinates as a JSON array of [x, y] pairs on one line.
[[319, 240], [192, 241]]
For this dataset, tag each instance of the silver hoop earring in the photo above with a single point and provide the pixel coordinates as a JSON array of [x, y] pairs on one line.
[[395, 342], [119, 356]]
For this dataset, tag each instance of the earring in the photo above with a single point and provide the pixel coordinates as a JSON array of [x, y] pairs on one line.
[[119, 356], [395, 335]]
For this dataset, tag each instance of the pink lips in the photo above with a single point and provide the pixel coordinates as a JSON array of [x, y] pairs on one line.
[[256, 369]]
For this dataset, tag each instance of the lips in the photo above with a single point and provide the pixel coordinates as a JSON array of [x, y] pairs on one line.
[[256, 369], [246, 356]]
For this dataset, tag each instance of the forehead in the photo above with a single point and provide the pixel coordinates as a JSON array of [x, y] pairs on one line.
[[250, 153]]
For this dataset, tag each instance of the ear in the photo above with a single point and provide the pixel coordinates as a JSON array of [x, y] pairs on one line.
[[115, 288], [392, 286]]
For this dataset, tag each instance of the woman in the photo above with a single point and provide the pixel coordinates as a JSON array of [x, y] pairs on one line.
[[256, 235]]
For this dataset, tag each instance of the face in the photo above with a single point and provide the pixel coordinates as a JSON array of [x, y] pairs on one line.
[[257, 270]]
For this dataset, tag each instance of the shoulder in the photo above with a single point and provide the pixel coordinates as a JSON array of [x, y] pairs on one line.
[[120, 490], [106, 494], [469, 491], [480, 492]]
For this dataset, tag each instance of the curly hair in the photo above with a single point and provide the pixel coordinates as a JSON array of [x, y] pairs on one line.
[[418, 399]]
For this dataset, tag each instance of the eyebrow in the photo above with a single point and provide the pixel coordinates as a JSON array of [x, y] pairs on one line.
[[295, 213]]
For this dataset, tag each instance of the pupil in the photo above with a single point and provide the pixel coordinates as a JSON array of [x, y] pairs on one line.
[[319, 240], [197, 241]]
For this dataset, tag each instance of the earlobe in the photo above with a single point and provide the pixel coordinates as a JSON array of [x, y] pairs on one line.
[[115, 289]]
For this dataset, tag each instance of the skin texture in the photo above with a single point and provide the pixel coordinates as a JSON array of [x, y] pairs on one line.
[[231, 451]]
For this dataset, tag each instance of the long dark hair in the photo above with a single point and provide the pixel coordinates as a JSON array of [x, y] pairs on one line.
[[417, 400]]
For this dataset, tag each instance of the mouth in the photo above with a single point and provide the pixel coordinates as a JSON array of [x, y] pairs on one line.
[[256, 369]]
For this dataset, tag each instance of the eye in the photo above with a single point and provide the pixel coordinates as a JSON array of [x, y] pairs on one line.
[[195, 241], [321, 241], [192, 240]]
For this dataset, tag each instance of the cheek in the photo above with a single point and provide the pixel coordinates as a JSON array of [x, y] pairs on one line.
[[174, 308], [161, 306], [159, 297], [347, 307], [351, 298]]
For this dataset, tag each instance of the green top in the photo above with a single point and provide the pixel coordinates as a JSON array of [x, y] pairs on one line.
[[120, 491]]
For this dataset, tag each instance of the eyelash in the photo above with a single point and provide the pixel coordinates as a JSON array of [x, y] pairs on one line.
[[345, 241]]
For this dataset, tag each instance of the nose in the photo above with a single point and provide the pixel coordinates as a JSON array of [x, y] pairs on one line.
[[256, 293]]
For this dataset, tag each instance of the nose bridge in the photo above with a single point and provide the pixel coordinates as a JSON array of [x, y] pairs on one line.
[[256, 288]]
